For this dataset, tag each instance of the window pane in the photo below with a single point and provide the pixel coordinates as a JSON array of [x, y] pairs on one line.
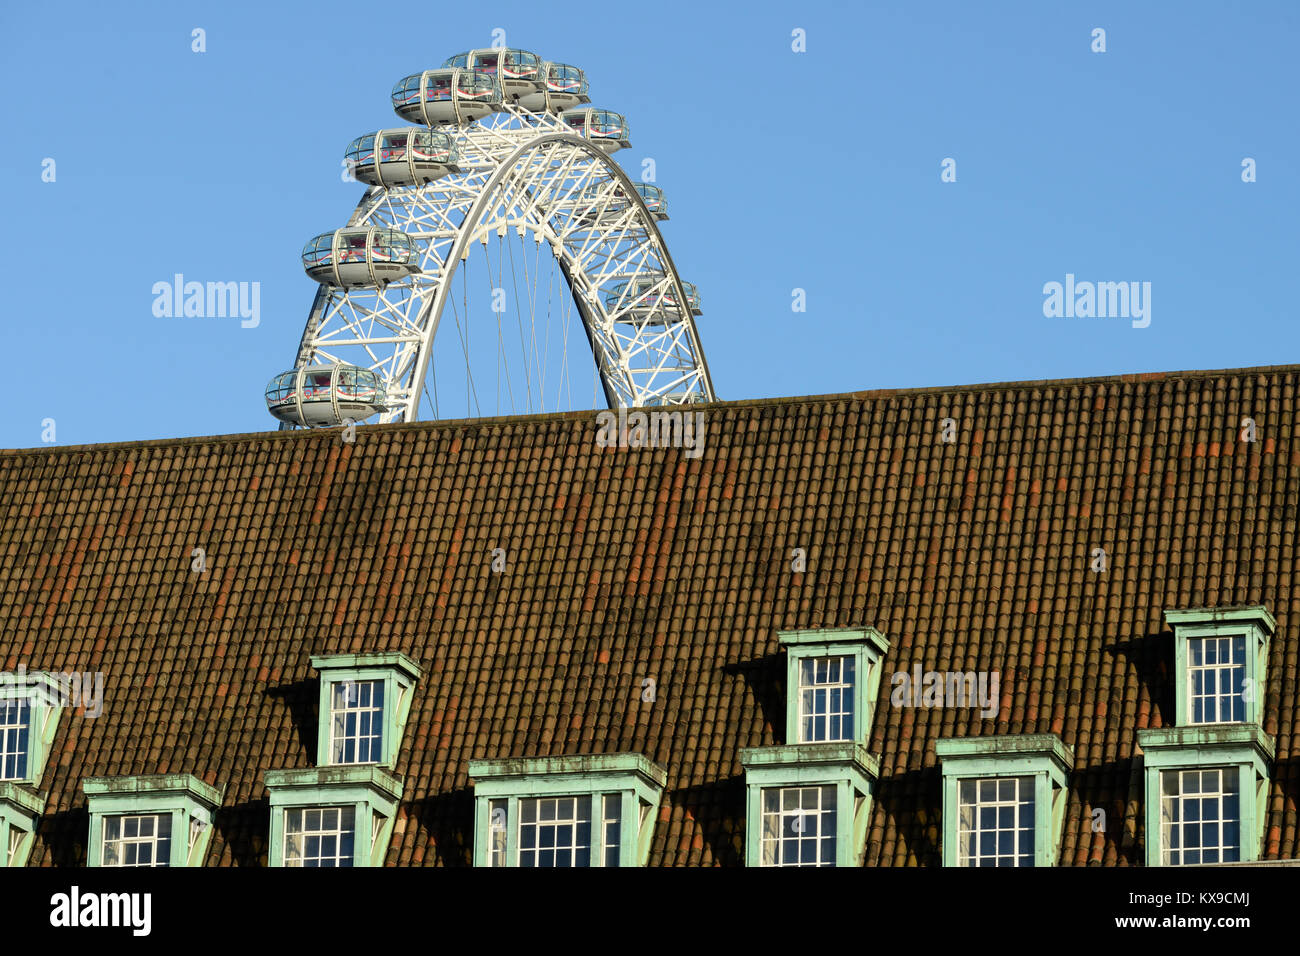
[[555, 831], [1200, 814], [357, 721], [319, 837], [1216, 675], [798, 826], [826, 699], [137, 840], [15, 721], [995, 822]]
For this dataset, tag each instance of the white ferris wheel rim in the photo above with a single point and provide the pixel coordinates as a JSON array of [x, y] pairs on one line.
[[537, 170]]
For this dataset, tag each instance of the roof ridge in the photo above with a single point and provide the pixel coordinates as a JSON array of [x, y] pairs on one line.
[[497, 421]]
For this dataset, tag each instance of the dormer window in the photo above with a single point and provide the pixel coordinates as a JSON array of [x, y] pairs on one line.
[[807, 802], [30, 704], [580, 810], [1220, 656], [147, 821], [15, 738], [1003, 799], [20, 812], [832, 678], [332, 816], [365, 700], [1207, 776]]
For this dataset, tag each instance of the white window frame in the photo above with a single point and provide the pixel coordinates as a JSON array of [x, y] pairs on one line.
[[1044, 759], [567, 815], [1182, 799], [774, 839], [338, 831], [15, 718], [812, 717], [374, 740], [866, 647], [1023, 792], [1234, 673], [160, 857], [624, 790]]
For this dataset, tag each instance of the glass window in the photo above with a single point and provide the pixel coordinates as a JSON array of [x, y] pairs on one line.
[[317, 251], [995, 822], [826, 699], [479, 84], [497, 832], [16, 835], [367, 384], [394, 147], [362, 149], [138, 840], [407, 91], [555, 831], [357, 722], [438, 87], [15, 736], [352, 247], [316, 385], [319, 837], [281, 388], [562, 78], [798, 826], [613, 827], [1216, 674], [1200, 816]]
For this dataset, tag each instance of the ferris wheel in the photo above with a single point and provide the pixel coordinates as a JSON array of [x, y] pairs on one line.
[[499, 262]]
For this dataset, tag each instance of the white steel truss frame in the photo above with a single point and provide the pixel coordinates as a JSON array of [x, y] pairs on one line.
[[528, 172]]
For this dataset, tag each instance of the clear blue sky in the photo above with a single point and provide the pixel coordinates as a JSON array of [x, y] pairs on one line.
[[817, 170]]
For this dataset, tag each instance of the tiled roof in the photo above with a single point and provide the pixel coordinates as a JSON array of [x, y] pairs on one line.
[[631, 564]]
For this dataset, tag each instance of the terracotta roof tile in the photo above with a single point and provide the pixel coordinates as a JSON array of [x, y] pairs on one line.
[[624, 565]]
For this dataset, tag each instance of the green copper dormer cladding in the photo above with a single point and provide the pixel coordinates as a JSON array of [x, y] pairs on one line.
[[580, 810], [332, 816], [364, 702], [20, 812], [1205, 793], [832, 681], [155, 820], [807, 804], [30, 705], [1220, 663], [1003, 799]]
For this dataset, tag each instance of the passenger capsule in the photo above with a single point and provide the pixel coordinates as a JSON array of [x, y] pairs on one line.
[[361, 256], [317, 395], [403, 157], [446, 96], [518, 71], [563, 87], [616, 202], [649, 301], [681, 398], [605, 128]]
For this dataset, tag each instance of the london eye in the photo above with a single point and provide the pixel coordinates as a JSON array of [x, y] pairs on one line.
[[499, 262]]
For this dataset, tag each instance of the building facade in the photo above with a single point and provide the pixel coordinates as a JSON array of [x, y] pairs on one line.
[[1041, 623]]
